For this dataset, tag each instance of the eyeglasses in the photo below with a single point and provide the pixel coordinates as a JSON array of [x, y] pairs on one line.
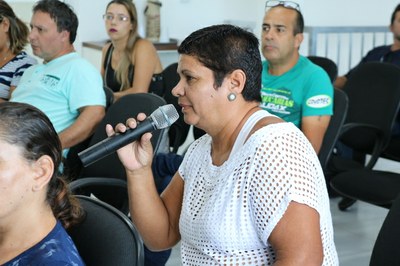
[[120, 18], [286, 4]]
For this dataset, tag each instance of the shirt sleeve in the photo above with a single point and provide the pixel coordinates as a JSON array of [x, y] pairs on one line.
[[285, 170], [86, 87], [318, 99]]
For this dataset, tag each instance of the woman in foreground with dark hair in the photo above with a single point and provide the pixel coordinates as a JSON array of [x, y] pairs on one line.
[[35, 203]]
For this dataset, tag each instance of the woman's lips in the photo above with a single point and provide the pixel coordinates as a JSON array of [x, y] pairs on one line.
[[184, 106]]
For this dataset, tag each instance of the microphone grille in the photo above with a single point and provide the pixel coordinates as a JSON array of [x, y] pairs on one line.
[[164, 116]]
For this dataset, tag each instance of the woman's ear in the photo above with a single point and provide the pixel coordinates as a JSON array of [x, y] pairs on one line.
[[5, 24], [43, 170], [237, 81]]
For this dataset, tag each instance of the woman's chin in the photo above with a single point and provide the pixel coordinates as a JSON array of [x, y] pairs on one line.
[[189, 119]]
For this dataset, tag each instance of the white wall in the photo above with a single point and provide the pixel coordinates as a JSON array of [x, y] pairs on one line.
[[348, 12], [180, 17]]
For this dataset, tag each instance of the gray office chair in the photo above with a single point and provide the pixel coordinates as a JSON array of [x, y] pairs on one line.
[[327, 64], [340, 107], [106, 236], [373, 90]]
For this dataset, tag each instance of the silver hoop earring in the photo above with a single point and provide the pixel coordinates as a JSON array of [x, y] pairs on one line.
[[231, 97]]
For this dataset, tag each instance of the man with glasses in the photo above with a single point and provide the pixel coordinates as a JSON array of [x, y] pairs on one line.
[[293, 88], [67, 88]]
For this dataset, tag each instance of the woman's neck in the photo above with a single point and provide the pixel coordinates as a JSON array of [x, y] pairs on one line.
[[17, 235], [5, 56], [120, 44], [223, 142]]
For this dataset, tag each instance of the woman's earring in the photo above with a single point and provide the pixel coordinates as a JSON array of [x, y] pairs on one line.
[[231, 97]]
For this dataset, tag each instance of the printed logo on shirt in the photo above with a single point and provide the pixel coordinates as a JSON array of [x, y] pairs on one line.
[[319, 101], [50, 80], [276, 103]]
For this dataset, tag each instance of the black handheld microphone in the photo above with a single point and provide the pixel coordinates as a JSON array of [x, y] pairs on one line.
[[161, 118]]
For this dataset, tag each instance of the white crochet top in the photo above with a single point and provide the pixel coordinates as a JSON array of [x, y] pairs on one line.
[[229, 211]]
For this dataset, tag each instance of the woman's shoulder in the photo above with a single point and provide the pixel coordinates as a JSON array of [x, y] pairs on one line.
[[22, 58], [144, 41], [266, 119], [145, 52], [144, 45], [271, 126]]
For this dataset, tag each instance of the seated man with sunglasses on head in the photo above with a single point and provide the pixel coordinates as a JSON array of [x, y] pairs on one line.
[[293, 88]]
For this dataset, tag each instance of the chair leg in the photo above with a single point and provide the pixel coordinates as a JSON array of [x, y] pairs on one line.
[[345, 203]]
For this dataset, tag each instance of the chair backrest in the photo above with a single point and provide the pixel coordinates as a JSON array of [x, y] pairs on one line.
[[110, 166], [327, 64], [106, 236], [99, 186], [179, 130], [128, 106], [340, 106], [373, 90], [386, 249]]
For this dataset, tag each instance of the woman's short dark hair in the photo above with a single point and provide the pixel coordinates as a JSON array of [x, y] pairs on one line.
[[62, 14], [30, 129], [225, 48]]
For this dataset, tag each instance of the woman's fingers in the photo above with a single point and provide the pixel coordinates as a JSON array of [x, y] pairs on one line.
[[121, 128], [109, 130], [141, 116]]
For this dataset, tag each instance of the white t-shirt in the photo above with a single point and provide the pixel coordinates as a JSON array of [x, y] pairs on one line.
[[229, 211]]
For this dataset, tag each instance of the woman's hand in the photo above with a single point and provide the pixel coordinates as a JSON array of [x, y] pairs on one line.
[[137, 155]]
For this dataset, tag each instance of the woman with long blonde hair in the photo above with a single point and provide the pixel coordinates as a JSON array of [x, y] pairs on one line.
[[130, 64]]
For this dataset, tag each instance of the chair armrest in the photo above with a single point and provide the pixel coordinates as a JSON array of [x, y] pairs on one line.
[[380, 141]]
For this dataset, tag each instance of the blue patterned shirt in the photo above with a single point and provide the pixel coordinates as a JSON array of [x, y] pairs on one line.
[[56, 249], [11, 73]]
